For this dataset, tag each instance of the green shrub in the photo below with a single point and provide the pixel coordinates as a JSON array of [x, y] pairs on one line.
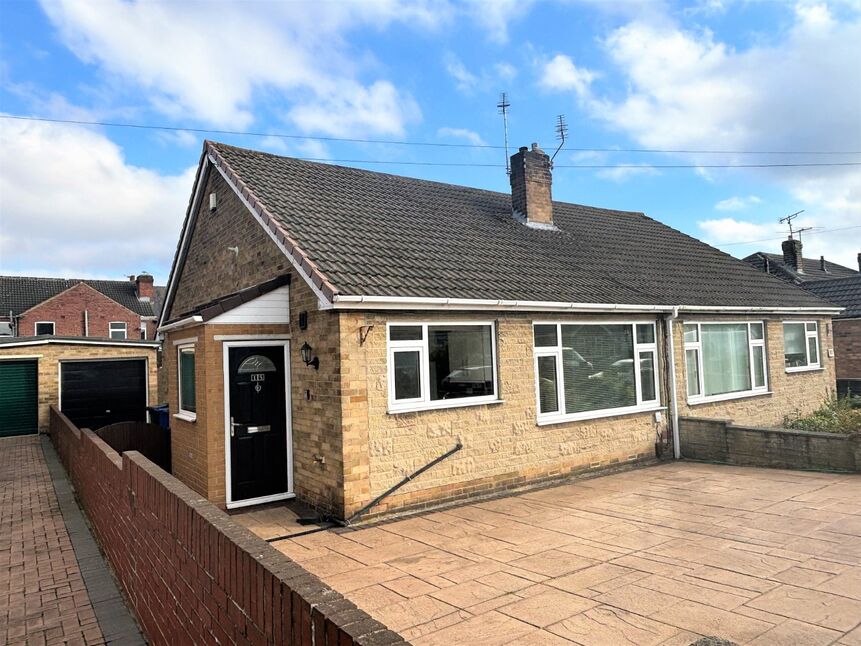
[[836, 415]]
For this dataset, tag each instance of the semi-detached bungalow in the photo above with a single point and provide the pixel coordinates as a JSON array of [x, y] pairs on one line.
[[330, 330]]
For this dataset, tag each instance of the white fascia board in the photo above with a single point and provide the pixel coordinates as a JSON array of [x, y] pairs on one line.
[[186, 322], [83, 341], [348, 302], [324, 302]]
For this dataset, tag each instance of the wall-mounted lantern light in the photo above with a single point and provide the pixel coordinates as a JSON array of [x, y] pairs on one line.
[[306, 351]]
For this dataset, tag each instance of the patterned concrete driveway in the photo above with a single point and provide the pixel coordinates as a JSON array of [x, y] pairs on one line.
[[658, 555]]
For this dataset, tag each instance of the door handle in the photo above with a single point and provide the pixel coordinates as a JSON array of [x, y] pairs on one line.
[[233, 426]]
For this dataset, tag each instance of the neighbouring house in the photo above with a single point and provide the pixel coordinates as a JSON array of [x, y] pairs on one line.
[[329, 331], [832, 282], [88, 346], [845, 292], [114, 309]]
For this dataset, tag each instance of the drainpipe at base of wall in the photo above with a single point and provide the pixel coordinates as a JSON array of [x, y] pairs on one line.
[[674, 404]]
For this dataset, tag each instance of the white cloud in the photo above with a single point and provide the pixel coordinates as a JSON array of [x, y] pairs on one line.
[[737, 203], [214, 64], [732, 231], [69, 199], [560, 73], [687, 90], [505, 71], [624, 173], [461, 133], [464, 79], [494, 16]]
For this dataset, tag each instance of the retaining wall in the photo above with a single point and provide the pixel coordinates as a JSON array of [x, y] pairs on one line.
[[721, 441]]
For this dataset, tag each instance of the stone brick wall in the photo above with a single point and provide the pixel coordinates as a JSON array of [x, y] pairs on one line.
[[792, 393], [211, 270], [192, 575], [847, 348], [50, 354], [718, 441], [503, 447], [67, 309]]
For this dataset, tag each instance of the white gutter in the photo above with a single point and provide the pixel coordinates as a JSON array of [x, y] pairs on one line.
[[346, 302], [673, 392], [191, 320], [80, 341]]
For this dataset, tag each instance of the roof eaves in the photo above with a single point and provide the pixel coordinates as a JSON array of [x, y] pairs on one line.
[[303, 263]]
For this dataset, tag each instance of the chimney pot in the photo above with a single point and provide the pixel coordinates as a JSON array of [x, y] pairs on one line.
[[822, 263], [792, 255], [859, 262], [531, 182]]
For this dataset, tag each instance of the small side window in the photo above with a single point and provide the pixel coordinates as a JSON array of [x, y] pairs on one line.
[[187, 390], [44, 327]]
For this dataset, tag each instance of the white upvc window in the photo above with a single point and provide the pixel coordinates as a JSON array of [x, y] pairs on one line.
[[725, 360], [587, 370], [801, 345], [117, 330], [441, 365], [44, 327], [185, 363]]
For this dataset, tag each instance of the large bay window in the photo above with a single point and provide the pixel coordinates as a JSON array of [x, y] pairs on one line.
[[594, 369], [724, 360], [801, 346], [434, 365]]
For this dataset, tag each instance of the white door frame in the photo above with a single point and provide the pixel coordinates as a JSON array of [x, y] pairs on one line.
[[264, 341]]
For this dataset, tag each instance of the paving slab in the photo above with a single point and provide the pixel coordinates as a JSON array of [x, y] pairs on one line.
[[660, 555]]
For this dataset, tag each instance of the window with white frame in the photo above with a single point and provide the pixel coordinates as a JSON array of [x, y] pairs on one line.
[[435, 365], [724, 359], [594, 369], [44, 327], [801, 345], [117, 330], [187, 391]]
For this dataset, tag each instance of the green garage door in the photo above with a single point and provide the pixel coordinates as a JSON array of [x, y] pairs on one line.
[[18, 401]]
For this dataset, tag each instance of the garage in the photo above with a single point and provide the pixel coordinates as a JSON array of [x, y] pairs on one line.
[[19, 398], [97, 393], [95, 382]]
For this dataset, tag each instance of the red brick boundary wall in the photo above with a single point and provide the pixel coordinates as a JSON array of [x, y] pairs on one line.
[[191, 574]]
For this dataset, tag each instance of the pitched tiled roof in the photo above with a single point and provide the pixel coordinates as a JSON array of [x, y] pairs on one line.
[[376, 234], [812, 268], [845, 292], [20, 293]]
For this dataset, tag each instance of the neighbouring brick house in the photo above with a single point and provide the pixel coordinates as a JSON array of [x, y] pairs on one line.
[[118, 309], [329, 331], [832, 282]]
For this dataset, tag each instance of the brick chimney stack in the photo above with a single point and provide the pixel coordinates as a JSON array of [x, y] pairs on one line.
[[531, 181], [792, 254], [144, 287]]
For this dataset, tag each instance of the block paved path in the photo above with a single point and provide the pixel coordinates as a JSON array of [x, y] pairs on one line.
[[658, 555], [54, 585]]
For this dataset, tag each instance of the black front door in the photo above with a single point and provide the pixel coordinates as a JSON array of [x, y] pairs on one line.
[[258, 422]]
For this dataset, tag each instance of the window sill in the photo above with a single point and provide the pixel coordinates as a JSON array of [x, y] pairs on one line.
[[727, 397], [579, 417], [186, 417], [804, 369], [417, 408]]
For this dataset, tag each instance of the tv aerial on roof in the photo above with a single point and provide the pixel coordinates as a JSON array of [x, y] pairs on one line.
[[788, 222], [503, 106], [561, 134]]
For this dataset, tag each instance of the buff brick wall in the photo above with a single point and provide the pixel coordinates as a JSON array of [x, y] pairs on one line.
[[503, 447], [847, 348], [49, 355], [796, 393], [198, 446], [67, 309]]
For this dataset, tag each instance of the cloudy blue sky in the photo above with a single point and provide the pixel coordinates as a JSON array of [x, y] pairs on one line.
[[720, 75]]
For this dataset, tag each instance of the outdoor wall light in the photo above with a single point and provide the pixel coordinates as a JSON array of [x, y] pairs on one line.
[[306, 351]]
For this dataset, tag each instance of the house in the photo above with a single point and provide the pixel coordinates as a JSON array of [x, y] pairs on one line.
[[114, 309], [329, 331], [845, 292], [832, 282], [87, 346]]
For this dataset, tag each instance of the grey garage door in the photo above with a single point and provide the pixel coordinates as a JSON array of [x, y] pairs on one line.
[[97, 393], [18, 398]]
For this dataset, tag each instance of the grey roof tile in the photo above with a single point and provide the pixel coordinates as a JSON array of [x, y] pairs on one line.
[[845, 292], [20, 293], [377, 234]]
